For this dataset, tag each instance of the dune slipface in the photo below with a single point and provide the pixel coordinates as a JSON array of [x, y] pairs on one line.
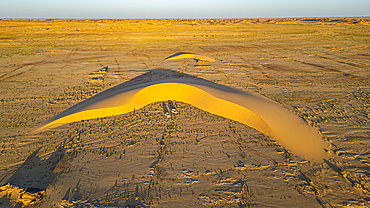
[[255, 111]]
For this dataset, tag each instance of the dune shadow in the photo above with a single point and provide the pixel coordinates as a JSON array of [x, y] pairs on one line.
[[35, 174], [154, 73]]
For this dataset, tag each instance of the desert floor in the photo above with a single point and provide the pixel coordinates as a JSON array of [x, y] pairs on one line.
[[317, 68]]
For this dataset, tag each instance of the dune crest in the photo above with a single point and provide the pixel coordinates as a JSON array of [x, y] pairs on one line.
[[252, 110]]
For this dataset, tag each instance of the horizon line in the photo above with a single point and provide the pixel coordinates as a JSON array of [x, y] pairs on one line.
[[162, 18]]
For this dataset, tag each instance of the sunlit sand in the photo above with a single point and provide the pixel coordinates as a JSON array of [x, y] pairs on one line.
[[20, 195]]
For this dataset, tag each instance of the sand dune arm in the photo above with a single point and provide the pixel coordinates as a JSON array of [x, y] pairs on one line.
[[121, 103]]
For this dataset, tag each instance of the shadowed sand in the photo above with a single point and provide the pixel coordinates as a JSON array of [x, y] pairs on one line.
[[255, 111]]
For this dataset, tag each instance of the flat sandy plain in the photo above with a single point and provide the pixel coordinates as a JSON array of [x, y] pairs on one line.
[[318, 69]]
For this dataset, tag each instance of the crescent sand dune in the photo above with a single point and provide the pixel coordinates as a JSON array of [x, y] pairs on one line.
[[183, 55], [255, 111]]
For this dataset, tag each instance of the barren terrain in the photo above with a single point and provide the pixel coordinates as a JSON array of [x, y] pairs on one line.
[[317, 68]]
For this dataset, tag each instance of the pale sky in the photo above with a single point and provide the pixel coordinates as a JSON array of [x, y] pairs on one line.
[[182, 8]]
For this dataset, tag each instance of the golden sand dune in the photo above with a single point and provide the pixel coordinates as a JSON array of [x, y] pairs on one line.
[[182, 55], [257, 112]]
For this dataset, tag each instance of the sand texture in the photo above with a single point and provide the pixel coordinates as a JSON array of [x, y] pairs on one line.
[[185, 113]]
